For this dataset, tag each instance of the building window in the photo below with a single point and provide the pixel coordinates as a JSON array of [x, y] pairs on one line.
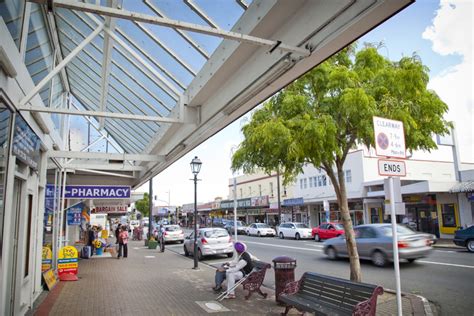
[[320, 181], [271, 188], [284, 191], [305, 183], [250, 191], [301, 183], [448, 215], [260, 190], [310, 182], [348, 176], [329, 181], [324, 180], [241, 193]]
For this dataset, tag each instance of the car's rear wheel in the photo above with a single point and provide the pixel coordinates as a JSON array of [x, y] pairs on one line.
[[248, 233], [258, 234], [186, 252], [200, 255], [282, 236], [411, 260], [297, 236], [317, 238], [331, 253], [379, 259], [470, 245]]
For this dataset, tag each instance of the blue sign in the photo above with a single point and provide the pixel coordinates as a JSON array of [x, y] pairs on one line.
[[293, 202], [26, 144], [74, 214], [92, 191]]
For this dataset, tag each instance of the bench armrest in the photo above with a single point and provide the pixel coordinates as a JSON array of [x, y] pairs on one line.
[[292, 287], [369, 306]]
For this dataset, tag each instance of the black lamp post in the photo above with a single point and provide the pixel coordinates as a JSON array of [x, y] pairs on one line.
[[195, 168]]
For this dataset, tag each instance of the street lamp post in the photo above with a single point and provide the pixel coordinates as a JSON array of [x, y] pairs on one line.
[[195, 168]]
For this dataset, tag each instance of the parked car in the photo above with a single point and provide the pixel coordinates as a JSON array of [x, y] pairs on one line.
[[374, 242], [219, 222], [260, 229], [210, 241], [465, 238], [327, 231], [241, 228], [173, 233], [294, 230]]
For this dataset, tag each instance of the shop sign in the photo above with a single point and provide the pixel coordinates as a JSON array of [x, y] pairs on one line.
[[241, 203], [389, 138], [111, 209], [470, 196], [46, 259], [67, 261], [26, 144], [50, 279], [293, 202], [259, 201], [74, 214], [92, 191]]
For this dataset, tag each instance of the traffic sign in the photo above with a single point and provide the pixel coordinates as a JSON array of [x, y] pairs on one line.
[[392, 168], [389, 138]]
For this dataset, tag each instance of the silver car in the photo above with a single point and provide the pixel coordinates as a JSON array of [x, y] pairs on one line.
[[173, 233], [210, 241], [374, 242]]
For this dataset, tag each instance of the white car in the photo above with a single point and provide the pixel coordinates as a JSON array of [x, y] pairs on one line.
[[294, 230], [173, 233], [260, 229]]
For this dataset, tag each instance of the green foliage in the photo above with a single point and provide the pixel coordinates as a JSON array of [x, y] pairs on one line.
[[143, 205], [321, 116]]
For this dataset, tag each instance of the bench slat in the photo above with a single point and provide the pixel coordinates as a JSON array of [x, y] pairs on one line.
[[362, 287], [302, 304], [342, 288]]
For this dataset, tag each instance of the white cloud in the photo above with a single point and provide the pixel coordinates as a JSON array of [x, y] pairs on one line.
[[451, 33]]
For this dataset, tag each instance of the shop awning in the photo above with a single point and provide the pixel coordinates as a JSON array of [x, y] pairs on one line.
[[463, 187]]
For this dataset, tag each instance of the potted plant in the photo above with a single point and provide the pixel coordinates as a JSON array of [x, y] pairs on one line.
[[152, 243]]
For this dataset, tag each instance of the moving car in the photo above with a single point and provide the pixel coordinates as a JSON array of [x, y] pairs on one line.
[[260, 229], [173, 233], [465, 238], [327, 231], [241, 228], [294, 230], [219, 222], [374, 242], [210, 241]]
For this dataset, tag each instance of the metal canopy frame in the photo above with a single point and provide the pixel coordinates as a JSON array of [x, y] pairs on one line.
[[155, 82]]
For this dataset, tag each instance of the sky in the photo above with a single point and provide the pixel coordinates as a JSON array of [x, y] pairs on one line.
[[440, 32]]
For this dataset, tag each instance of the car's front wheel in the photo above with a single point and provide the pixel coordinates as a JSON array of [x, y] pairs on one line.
[[379, 259], [258, 234], [200, 256], [317, 238], [186, 252], [331, 253], [282, 236], [297, 236], [470, 245]]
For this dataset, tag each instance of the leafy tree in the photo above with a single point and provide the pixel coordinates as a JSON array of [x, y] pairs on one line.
[[143, 205], [327, 112]]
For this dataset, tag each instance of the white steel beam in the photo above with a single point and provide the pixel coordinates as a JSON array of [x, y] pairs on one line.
[[24, 29], [185, 36], [243, 4], [155, 39], [111, 115], [201, 13], [61, 65], [140, 17], [105, 166], [106, 60], [168, 87], [107, 156], [106, 173]]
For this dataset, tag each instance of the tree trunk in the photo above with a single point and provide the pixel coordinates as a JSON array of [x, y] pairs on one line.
[[356, 274]]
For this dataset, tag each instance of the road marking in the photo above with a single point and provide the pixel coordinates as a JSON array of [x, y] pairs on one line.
[[281, 246], [445, 250], [447, 264], [149, 257], [314, 245]]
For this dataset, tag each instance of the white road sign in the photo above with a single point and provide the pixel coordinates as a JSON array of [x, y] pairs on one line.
[[389, 138], [392, 168]]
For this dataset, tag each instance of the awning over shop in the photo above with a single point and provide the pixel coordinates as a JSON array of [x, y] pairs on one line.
[[463, 187]]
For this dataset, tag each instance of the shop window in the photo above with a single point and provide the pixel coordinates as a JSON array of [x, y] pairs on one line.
[[348, 176], [448, 215], [28, 235]]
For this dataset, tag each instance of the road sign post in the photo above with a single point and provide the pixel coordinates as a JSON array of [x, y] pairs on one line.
[[390, 142]]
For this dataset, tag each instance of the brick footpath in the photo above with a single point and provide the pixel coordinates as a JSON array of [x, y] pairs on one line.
[[154, 283]]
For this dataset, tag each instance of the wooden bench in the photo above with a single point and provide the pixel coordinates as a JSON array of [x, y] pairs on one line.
[[326, 295], [254, 280]]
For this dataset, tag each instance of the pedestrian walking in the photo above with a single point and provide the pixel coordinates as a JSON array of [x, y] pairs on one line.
[[117, 233], [123, 243], [90, 238]]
